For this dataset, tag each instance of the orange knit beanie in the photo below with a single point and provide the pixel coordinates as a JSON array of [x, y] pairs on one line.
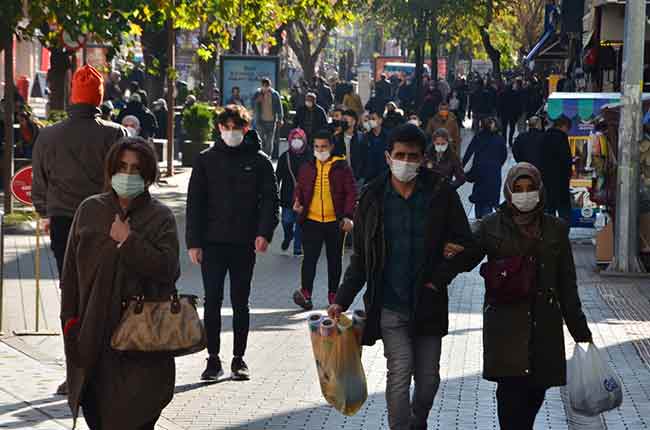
[[87, 86]]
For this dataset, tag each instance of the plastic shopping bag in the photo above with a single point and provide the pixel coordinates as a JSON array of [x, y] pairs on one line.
[[593, 386], [337, 350]]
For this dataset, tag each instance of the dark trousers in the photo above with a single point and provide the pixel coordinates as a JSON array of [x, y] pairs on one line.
[[314, 234], [238, 262], [518, 402], [59, 231], [482, 209], [92, 416]]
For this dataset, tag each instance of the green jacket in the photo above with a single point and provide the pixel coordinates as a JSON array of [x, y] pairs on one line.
[[528, 338]]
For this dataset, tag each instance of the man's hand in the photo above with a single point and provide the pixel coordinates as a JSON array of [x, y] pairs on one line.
[[45, 225], [196, 255], [297, 207], [335, 311], [452, 249], [120, 230], [261, 244], [347, 225]]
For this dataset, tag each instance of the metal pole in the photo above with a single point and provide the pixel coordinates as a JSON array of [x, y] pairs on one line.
[[2, 266], [626, 248], [37, 269], [171, 81], [8, 162]]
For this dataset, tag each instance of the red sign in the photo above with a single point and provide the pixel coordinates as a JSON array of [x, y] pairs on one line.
[[21, 185]]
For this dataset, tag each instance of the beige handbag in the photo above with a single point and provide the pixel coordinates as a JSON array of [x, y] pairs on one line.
[[168, 326]]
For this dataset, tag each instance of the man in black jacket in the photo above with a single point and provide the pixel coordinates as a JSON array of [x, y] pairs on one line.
[[311, 117], [404, 223], [232, 211], [351, 145], [557, 169], [528, 147]]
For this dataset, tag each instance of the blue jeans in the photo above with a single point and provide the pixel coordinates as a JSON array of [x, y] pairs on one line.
[[292, 229], [482, 209]]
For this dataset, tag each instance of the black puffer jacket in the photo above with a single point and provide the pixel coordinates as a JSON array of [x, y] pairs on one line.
[[232, 196], [447, 223]]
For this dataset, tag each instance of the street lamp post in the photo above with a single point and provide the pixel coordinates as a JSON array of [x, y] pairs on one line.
[[626, 252]]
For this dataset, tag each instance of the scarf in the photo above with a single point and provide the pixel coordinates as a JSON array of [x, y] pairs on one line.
[[529, 223]]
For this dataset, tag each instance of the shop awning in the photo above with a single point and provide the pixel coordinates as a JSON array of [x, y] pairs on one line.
[[582, 106]]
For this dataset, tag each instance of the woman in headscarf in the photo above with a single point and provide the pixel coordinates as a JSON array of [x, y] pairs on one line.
[[531, 289], [289, 165], [442, 159], [123, 243]]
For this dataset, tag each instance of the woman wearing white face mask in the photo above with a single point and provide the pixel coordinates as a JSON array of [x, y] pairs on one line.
[[287, 172], [123, 243], [443, 160], [530, 282]]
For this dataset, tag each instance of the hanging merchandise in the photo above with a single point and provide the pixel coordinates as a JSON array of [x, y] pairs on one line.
[[337, 350]]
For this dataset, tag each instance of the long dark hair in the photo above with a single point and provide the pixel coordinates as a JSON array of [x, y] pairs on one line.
[[146, 157]]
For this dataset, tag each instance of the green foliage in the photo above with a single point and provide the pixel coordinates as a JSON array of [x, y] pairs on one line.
[[198, 122], [55, 116]]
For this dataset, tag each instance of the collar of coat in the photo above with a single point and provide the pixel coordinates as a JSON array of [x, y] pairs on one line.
[[137, 203], [81, 110]]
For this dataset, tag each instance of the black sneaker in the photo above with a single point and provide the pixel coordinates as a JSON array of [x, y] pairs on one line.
[[239, 370], [62, 390], [213, 370], [285, 243], [303, 299]]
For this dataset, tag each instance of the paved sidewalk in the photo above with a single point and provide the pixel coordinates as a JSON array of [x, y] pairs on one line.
[[284, 392]]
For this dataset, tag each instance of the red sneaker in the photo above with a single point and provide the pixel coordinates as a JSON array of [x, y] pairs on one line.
[[331, 297]]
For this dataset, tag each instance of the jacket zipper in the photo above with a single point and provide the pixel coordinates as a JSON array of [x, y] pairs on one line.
[[322, 190]]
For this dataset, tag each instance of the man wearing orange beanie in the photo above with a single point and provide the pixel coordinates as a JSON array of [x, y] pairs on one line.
[[87, 87], [73, 152]]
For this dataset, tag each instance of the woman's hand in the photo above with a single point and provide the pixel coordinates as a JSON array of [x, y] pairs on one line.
[[120, 230], [452, 249], [196, 255]]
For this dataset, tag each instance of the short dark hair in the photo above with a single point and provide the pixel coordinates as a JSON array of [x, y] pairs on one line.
[[562, 121], [235, 88], [351, 113], [266, 81], [146, 157], [238, 114], [407, 134], [323, 134], [441, 132]]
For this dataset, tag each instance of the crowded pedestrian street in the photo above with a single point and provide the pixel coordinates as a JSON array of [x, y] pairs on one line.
[[284, 392]]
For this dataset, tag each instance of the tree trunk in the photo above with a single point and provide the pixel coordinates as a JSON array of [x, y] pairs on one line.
[[302, 47], [154, 50], [8, 161], [59, 65], [435, 40], [493, 53], [207, 77]]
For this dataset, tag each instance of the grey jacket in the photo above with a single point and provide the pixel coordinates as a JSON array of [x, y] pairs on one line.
[[68, 160], [278, 111]]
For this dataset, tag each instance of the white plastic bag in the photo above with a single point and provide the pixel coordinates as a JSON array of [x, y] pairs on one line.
[[593, 386]]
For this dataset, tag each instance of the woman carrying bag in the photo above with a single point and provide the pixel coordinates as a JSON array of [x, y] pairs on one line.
[[123, 243], [531, 288]]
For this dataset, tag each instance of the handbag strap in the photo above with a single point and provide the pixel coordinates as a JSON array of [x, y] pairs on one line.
[[293, 176]]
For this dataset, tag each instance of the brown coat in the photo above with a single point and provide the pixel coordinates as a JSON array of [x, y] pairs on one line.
[[528, 338], [97, 276], [451, 125]]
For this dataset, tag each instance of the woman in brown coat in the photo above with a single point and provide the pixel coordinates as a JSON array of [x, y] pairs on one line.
[[523, 338], [443, 160], [122, 243]]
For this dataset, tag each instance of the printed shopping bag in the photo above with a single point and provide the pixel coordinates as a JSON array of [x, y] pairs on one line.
[[337, 350], [593, 386]]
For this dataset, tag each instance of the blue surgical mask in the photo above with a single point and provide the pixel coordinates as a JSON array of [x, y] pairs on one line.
[[127, 186]]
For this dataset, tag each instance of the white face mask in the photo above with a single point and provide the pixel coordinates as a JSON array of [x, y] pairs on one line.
[[297, 144], [403, 170], [366, 125], [347, 139], [322, 156], [441, 148], [415, 122], [232, 138], [309, 104], [132, 132], [525, 202], [373, 123]]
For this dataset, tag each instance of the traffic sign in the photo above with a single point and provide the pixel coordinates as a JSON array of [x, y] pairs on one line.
[[21, 185]]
